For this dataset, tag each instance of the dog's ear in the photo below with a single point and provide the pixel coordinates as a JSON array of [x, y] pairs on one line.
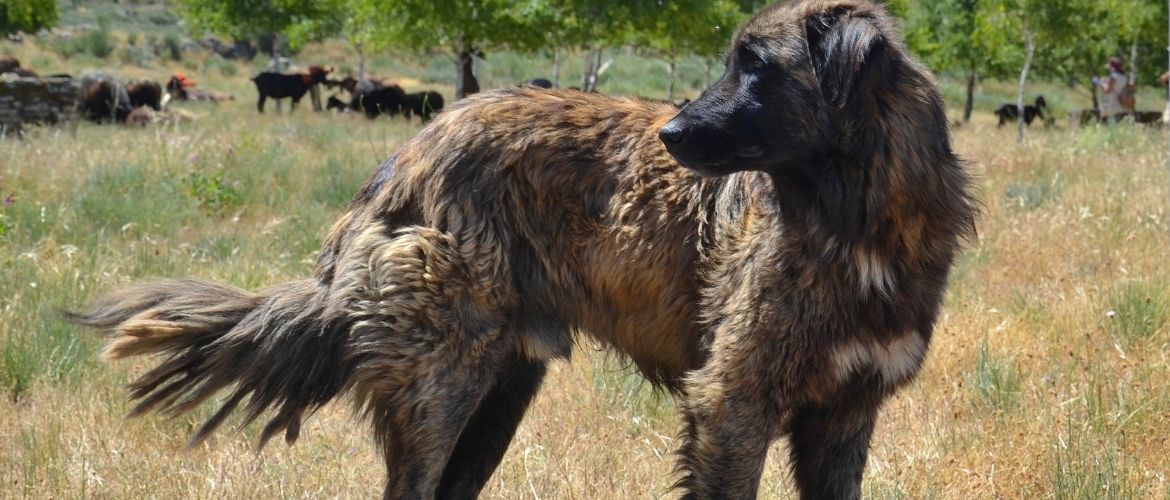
[[840, 46]]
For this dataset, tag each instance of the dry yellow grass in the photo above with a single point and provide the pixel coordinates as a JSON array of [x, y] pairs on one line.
[[1048, 376]]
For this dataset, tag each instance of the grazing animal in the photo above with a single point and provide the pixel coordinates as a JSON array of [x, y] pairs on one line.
[[145, 93], [293, 87], [104, 98], [348, 84], [1010, 112], [776, 254], [333, 103], [388, 100], [424, 104], [9, 64], [1147, 117]]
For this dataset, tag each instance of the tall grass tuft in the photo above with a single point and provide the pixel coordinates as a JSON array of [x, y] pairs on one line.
[[1138, 310], [1084, 467], [994, 380]]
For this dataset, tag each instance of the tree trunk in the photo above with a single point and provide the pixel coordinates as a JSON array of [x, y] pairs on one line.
[[670, 88], [592, 69], [970, 97], [1133, 61], [556, 72], [465, 81], [361, 53], [707, 73], [1029, 47], [315, 96], [1093, 92]]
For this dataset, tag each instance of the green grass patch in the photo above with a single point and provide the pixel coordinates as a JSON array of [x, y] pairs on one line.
[[1137, 311], [628, 390], [1086, 468], [994, 381], [1045, 189]]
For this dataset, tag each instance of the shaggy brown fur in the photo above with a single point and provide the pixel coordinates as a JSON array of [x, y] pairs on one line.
[[144, 93], [786, 293]]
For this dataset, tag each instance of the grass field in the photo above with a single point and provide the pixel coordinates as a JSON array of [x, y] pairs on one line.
[[1049, 376]]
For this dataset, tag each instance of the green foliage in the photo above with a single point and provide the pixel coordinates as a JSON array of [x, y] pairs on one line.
[[300, 20], [685, 27], [1073, 38], [174, 48], [96, 43], [453, 25], [28, 16], [213, 192]]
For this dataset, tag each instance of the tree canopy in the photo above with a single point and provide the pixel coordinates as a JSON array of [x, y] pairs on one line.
[[299, 20], [27, 16]]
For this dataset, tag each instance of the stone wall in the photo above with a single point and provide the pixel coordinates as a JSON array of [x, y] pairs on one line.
[[37, 100]]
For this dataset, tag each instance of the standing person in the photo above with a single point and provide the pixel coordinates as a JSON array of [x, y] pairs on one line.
[[1117, 95]]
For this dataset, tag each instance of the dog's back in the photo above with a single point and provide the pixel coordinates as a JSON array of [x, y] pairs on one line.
[[540, 212]]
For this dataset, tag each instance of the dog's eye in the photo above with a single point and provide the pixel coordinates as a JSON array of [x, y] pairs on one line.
[[750, 60]]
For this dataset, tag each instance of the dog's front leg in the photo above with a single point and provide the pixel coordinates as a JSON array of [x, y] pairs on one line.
[[731, 416], [829, 441]]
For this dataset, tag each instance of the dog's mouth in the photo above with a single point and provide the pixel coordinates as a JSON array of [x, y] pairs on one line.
[[709, 153]]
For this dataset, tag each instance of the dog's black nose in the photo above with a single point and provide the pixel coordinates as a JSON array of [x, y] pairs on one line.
[[672, 133]]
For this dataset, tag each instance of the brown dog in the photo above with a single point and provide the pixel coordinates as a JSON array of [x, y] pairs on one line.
[[784, 283]]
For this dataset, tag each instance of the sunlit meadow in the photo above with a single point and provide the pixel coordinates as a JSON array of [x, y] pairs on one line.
[[1048, 376]]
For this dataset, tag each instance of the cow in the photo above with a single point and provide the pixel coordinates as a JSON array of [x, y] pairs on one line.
[[145, 93], [388, 100], [424, 104], [294, 87]]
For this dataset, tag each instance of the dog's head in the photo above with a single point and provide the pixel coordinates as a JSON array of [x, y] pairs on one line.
[[796, 76]]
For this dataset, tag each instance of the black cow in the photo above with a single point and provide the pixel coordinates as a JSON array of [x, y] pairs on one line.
[[423, 104], [388, 100], [104, 98], [334, 103], [280, 86], [1011, 112]]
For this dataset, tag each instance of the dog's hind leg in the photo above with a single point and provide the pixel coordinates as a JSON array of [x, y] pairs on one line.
[[429, 342], [490, 430], [829, 442]]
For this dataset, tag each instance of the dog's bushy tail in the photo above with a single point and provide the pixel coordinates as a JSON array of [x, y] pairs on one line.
[[276, 347]]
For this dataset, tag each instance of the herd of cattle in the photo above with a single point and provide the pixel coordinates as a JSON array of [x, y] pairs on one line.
[[103, 98]]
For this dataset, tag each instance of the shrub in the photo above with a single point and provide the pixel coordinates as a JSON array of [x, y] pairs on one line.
[[96, 43], [173, 46], [138, 55], [212, 192]]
